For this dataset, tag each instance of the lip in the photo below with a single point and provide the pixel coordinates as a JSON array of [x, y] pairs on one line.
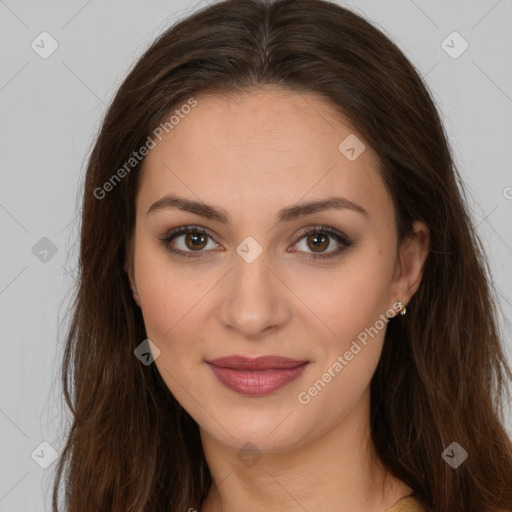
[[256, 363], [256, 376]]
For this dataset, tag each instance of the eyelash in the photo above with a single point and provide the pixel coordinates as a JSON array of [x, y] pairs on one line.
[[338, 237]]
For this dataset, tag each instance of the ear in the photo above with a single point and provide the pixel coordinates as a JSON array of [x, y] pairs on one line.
[[411, 257]]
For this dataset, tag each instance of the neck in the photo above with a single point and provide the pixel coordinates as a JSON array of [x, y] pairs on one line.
[[336, 471]]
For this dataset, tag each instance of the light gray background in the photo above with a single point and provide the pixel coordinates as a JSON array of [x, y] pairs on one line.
[[51, 110]]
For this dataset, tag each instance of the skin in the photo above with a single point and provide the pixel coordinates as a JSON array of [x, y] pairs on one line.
[[251, 155]]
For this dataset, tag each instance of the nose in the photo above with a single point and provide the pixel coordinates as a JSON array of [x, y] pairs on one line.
[[256, 299]]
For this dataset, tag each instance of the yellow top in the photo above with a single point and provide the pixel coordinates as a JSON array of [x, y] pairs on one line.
[[408, 504]]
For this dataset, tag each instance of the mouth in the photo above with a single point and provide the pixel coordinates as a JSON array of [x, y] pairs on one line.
[[256, 376]]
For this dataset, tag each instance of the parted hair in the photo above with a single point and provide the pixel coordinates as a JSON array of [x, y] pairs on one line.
[[443, 376]]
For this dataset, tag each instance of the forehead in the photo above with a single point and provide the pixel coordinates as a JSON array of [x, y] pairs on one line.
[[268, 143]]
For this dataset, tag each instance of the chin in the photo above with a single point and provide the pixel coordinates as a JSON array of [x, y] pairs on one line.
[[273, 433]]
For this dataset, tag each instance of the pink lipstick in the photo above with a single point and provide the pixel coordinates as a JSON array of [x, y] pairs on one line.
[[256, 376]]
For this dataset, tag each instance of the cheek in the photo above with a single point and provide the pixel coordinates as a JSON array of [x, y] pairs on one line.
[[164, 293], [354, 296], [353, 305], [176, 303], [172, 303]]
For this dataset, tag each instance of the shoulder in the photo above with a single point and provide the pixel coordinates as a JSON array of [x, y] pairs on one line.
[[408, 504]]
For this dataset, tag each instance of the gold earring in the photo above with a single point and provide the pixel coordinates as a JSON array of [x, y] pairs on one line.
[[402, 308]]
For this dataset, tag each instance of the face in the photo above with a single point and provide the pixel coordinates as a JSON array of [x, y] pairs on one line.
[[253, 275]]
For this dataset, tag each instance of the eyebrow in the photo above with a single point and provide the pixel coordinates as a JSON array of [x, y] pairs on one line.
[[284, 215]]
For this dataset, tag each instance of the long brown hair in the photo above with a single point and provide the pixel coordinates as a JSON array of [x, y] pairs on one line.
[[442, 376]]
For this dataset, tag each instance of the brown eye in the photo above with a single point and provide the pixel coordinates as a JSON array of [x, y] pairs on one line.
[[192, 241], [187, 240], [318, 241], [195, 241]]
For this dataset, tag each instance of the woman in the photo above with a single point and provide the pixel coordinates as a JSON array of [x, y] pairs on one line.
[[282, 301]]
